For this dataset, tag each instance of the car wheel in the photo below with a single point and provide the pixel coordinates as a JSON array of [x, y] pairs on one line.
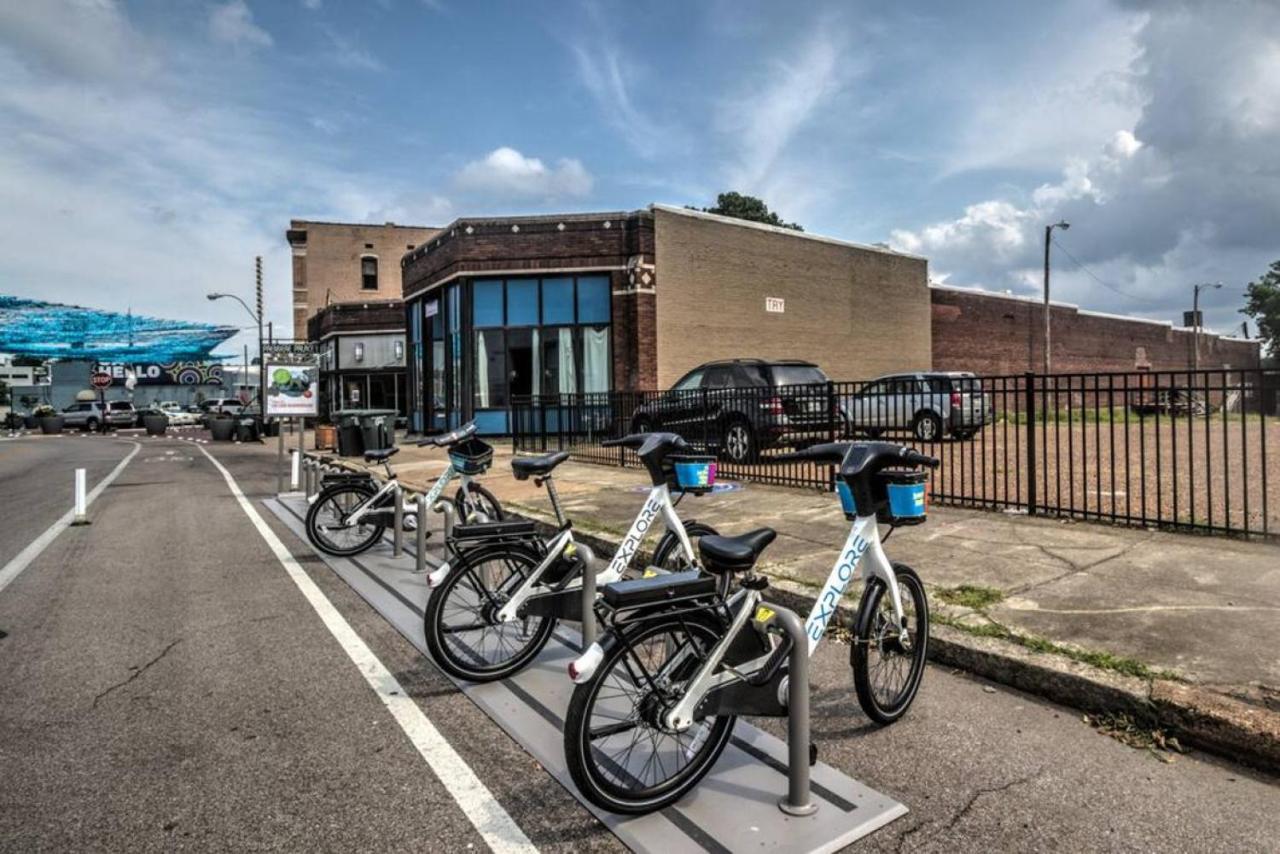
[[927, 427], [739, 445], [91, 425]]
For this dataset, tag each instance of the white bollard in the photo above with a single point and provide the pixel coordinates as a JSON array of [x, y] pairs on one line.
[[81, 509], [293, 470]]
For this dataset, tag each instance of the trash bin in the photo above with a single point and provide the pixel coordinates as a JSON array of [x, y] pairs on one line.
[[350, 439], [247, 430], [377, 428]]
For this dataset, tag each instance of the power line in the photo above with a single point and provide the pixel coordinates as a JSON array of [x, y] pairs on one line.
[[1095, 277]]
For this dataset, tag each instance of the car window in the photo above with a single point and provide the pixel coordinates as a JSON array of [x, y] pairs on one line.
[[797, 374], [749, 375], [691, 380], [940, 385], [873, 389], [718, 376]]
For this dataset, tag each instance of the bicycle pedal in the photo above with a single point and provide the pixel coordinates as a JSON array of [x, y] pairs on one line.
[[813, 754]]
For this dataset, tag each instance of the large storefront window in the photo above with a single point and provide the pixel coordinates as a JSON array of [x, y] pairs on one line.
[[490, 341]]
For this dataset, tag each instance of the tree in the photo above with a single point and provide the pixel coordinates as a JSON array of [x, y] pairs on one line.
[[1262, 303], [750, 208]]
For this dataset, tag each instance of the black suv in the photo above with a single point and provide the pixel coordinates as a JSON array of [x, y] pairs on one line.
[[743, 406]]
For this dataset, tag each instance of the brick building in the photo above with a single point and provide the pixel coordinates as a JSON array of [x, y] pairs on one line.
[[362, 356], [631, 300], [336, 262], [1001, 334]]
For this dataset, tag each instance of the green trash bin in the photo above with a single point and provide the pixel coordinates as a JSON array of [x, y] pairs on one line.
[[350, 437], [377, 428]]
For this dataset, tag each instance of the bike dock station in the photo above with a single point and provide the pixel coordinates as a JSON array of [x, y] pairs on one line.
[[748, 801]]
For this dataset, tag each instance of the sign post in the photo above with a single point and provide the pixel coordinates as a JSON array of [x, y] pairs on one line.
[[289, 377]]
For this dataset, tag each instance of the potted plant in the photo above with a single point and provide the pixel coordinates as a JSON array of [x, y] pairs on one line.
[[49, 420], [155, 421], [222, 426]]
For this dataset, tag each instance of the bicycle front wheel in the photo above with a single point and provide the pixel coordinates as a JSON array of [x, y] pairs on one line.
[[887, 673], [620, 755], [326, 528], [461, 622], [476, 499]]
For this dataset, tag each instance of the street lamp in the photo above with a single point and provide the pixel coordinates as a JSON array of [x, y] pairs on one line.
[[1195, 318], [257, 317], [1048, 236]]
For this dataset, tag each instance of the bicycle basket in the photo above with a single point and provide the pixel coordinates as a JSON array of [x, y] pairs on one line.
[[694, 473], [472, 456], [901, 497]]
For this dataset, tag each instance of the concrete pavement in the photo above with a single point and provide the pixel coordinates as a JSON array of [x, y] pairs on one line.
[[178, 683]]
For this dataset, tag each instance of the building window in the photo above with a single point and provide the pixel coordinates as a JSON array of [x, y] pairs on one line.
[[557, 301], [486, 303], [398, 347], [593, 299], [369, 273]]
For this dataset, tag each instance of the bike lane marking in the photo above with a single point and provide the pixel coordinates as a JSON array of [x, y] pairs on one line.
[[491, 821], [23, 559]]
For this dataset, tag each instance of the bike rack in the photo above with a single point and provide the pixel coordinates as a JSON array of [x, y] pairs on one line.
[[797, 802]]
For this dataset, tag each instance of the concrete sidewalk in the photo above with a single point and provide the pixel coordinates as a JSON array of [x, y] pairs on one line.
[[1153, 613]]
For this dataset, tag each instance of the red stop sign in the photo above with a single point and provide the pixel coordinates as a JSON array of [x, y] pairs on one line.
[[101, 379]]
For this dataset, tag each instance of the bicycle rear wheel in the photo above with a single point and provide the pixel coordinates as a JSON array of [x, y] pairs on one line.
[[476, 499], [326, 529], [463, 633], [886, 675], [619, 754]]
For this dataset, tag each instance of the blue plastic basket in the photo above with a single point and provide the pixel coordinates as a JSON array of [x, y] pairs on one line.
[[846, 499], [471, 457], [694, 474], [907, 502]]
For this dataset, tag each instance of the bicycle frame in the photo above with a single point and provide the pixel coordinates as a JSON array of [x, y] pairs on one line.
[[863, 542], [392, 485], [657, 506]]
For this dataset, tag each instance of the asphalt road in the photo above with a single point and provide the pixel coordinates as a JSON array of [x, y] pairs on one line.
[[164, 684]]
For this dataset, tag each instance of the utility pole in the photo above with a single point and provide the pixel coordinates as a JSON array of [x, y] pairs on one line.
[[1195, 318], [1048, 238], [262, 395]]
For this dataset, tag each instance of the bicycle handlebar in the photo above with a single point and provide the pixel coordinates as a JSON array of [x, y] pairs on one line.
[[836, 452], [453, 437], [635, 441]]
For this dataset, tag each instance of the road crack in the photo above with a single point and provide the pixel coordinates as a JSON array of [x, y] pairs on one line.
[[978, 794], [136, 673]]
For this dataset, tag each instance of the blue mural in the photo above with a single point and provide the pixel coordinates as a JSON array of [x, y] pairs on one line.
[[46, 330]]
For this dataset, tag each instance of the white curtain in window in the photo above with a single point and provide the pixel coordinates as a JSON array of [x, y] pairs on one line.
[[568, 376], [535, 387], [595, 359], [482, 371]]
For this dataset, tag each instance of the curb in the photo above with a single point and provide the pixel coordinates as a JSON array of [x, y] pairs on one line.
[[1201, 718]]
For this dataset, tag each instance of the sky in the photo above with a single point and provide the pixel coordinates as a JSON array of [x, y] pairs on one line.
[[149, 150]]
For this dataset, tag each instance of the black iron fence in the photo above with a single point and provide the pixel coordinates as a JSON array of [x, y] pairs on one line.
[[1183, 450]]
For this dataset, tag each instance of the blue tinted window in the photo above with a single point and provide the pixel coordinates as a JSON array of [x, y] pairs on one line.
[[593, 299], [486, 302], [522, 302], [557, 300]]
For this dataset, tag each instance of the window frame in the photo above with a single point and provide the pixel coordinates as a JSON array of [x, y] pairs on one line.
[[364, 277]]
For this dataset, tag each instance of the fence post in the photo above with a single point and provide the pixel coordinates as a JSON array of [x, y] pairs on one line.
[[1030, 407]]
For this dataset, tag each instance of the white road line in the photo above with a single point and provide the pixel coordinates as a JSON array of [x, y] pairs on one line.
[[499, 830], [24, 558]]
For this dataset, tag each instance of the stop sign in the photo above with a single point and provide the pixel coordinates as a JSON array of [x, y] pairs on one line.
[[101, 379]]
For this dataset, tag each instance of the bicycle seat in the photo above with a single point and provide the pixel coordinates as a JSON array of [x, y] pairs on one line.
[[734, 554], [380, 455], [525, 467]]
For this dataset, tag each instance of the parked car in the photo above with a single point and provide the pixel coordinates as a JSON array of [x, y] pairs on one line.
[[178, 417], [120, 413], [89, 415], [743, 406], [930, 404]]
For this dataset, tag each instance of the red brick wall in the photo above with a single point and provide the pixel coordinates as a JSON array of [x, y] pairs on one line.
[[992, 334]]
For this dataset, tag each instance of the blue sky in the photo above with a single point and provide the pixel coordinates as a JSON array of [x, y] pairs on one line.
[[149, 150]]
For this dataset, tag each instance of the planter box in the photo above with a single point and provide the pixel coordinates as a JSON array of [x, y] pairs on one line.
[[30, 422], [50, 424], [156, 424], [222, 429], [326, 437]]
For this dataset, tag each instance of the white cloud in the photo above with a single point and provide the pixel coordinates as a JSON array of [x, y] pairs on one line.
[[232, 23], [79, 38], [346, 53], [312, 5], [1184, 193], [507, 172]]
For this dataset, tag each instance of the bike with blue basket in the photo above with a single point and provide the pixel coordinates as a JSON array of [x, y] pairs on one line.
[[491, 612], [678, 660], [351, 511]]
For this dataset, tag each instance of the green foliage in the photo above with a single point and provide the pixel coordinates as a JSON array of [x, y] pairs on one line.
[[970, 596], [750, 208], [1262, 303]]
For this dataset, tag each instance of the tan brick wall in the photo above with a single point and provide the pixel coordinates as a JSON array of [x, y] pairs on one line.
[[856, 312], [330, 267]]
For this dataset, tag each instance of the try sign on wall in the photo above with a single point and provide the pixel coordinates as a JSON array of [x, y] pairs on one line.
[[776, 305]]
